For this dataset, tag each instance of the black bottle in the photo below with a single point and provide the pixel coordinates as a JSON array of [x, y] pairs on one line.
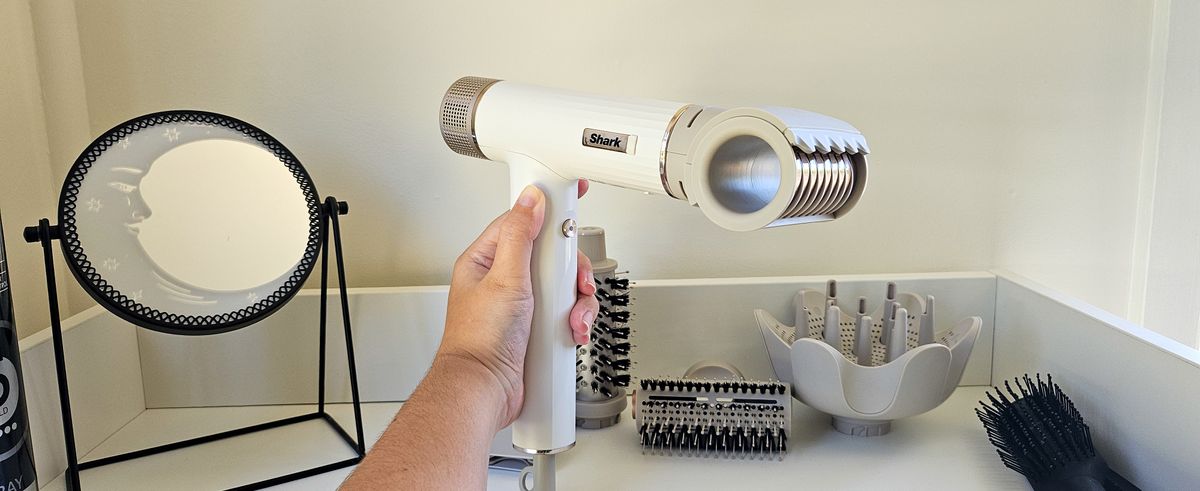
[[16, 448]]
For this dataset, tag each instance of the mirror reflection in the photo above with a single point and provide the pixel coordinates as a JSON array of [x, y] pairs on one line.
[[219, 215]]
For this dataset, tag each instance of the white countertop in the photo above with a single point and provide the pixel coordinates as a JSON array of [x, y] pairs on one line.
[[945, 448]]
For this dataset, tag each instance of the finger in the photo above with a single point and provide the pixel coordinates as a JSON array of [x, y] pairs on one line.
[[583, 313], [514, 243], [477, 258], [583, 187], [586, 282]]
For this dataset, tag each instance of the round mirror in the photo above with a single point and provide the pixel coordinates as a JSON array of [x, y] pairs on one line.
[[189, 222]]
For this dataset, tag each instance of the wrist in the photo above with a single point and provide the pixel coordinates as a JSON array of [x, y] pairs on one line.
[[466, 374]]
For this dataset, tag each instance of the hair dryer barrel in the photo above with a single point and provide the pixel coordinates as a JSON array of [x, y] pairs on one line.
[[609, 140], [745, 168]]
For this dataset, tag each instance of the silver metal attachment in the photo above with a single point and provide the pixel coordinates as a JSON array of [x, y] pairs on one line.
[[662, 153], [568, 228], [458, 114], [552, 451]]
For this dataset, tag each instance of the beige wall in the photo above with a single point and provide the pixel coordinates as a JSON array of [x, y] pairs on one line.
[[28, 189], [1071, 154], [1004, 134], [962, 102], [1171, 266]]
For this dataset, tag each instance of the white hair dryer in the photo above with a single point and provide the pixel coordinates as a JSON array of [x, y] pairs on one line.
[[745, 168]]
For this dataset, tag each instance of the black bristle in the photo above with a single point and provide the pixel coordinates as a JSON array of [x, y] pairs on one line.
[[621, 283], [1038, 432], [616, 315], [604, 361]]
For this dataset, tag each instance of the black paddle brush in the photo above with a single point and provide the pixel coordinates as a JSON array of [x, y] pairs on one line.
[[1038, 432]]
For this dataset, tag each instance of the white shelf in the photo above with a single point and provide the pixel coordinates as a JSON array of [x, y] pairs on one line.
[[1114, 371], [944, 447], [230, 462]]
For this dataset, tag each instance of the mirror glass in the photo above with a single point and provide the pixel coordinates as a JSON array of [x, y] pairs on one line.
[[192, 226], [189, 222]]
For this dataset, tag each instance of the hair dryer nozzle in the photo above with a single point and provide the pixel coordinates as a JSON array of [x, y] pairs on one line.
[[458, 114]]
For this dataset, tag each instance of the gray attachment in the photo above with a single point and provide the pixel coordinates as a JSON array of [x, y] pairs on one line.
[[889, 313], [898, 338], [904, 322], [602, 366], [542, 473], [600, 414], [802, 317], [833, 327], [862, 340], [831, 291], [720, 418], [925, 336], [861, 427], [592, 244]]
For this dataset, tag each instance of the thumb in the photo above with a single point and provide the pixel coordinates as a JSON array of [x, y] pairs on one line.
[[520, 227]]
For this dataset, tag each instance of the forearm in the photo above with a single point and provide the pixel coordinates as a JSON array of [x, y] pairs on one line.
[[441, 436]]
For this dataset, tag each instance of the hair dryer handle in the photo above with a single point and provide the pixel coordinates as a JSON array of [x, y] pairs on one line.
[[547, 421]]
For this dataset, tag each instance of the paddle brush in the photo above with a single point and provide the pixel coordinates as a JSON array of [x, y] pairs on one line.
[[1038, 432]]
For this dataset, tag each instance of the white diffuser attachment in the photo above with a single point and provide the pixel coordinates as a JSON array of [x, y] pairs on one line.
[[865, 372]]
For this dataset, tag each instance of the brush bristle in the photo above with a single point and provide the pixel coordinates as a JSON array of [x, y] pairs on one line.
[[1035, 427], [697, 417], [603, 365]]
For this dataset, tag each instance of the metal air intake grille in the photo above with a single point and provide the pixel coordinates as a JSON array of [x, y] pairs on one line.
[[458, 114]]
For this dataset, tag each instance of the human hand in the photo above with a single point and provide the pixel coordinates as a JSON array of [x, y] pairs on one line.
[[491, 299]]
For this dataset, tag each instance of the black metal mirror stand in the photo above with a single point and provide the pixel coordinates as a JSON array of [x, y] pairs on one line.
[[45, 233]]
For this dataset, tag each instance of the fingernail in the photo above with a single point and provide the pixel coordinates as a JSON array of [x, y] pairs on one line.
[[588, 317], [528, 197]]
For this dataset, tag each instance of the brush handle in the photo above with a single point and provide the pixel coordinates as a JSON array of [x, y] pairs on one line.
[[1092, 474], [547, 421]]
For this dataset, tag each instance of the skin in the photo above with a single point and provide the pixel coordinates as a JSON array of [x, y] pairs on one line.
[[440, 437]]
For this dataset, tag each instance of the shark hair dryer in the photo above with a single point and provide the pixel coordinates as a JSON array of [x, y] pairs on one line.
[[745, 168]]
